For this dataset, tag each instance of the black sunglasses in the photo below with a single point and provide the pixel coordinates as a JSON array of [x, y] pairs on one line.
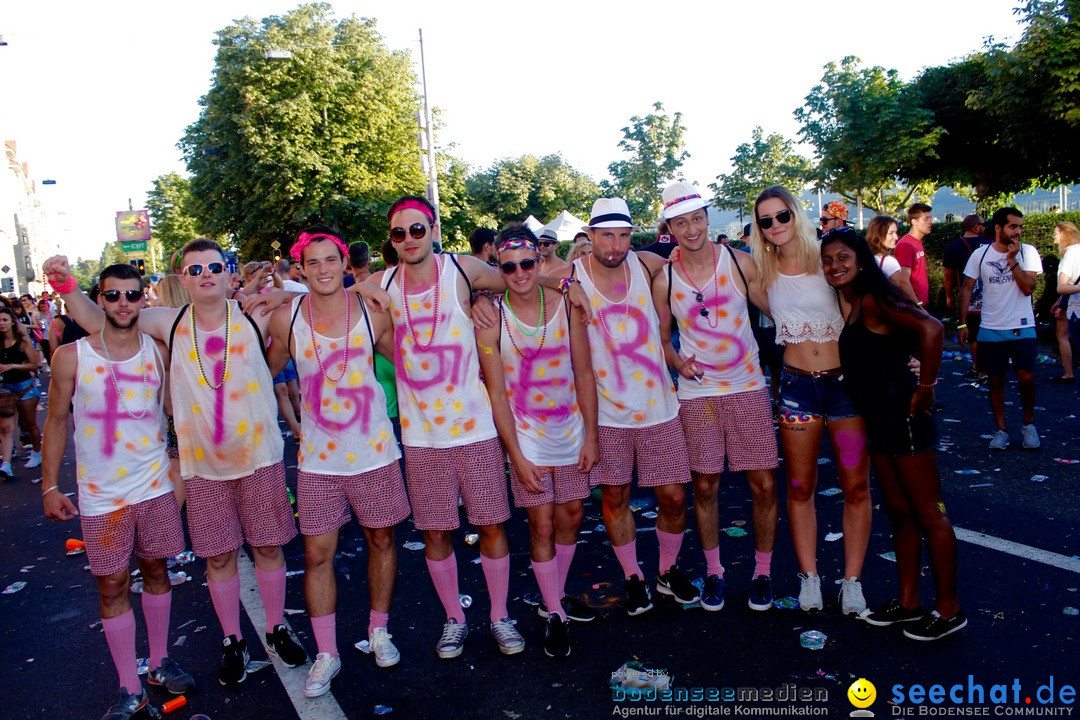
[[114, 295], [509, 268], [416, 230], [215, 268], [783, 217], [827, 220], [546, 243]]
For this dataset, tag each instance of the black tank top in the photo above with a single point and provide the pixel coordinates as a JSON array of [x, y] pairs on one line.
[[14, 355], [875, 365]]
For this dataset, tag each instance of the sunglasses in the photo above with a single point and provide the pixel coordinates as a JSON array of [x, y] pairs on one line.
[[114, 295], [826, 221], [416, 230], [214, 268], [509, 268], [547, 243], [783, 217]]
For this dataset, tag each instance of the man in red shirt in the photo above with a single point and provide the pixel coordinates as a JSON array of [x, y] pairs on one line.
[[910, 254]]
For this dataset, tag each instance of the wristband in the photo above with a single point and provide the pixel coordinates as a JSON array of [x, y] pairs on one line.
[[928, 385], [1013, 266], [565, 283], [46, 491], [961, 327], [69, 285], [483, 293]]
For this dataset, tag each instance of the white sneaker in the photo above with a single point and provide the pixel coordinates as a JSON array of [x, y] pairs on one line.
[[810, 594], [5, 469], [506, 635], [1029, 433], [35, 457], [1000, 441], [851, 597], [325, 669], [386, 654]]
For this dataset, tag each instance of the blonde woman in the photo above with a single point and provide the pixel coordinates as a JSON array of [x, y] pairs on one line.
[[1067, 310], [579, 250], [812, 396], [882, 234], [170, 293]]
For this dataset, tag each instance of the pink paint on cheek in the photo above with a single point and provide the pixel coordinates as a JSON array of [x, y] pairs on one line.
[[850, 445]]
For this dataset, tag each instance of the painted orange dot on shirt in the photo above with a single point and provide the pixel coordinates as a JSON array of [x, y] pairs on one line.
[[99, 370], [470, 424]]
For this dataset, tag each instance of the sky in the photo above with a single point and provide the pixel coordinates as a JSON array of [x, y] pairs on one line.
[[97, 94]]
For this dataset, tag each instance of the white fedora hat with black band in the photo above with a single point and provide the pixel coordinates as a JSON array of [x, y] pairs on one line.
[[609, 213], [680, 198]]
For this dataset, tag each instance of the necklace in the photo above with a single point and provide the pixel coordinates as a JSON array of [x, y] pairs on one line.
[[116, 384], [541, 328], [408, 313], [315, 344], [700, 297], [596, 300], [195, 344]]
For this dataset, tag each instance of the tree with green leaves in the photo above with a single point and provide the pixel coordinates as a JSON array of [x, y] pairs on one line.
[[759, 164], [865, 129], [171, 219], [327, 135], [512, 189], [86, 272], [655, 145]]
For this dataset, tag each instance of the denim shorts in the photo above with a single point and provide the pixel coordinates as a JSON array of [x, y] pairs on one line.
[[25, 390], [806, 397], [287, 374]]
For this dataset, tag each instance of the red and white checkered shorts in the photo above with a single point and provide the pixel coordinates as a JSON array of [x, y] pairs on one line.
[[435, 477], [224, 514], [560, 484], [376, 496], [658, 452], [152, 529], [737, 426]]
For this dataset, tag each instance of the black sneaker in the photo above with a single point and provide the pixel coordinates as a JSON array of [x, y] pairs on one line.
[[575, 610], [282, 646], [760, 593], [127, 705], [675, 584], [638, 599], [712, 597], [893, 612], [234, 660], [557, 638], [935, 627], [170, 675]]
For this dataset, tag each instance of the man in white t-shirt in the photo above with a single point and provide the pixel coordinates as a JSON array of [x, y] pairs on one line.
[[1007, 270], [1068, 282]]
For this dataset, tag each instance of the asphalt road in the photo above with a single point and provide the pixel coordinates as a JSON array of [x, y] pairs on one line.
[[1020, 630]]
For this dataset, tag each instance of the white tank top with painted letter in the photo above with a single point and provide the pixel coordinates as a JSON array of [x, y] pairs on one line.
[[120, 460]]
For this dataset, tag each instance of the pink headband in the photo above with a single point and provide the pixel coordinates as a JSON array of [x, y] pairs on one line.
[[305, 239], [415, 205]]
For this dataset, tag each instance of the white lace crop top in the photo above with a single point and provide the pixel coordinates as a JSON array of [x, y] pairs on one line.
[[805, 309]]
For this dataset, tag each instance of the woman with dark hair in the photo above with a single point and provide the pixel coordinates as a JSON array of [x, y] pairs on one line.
[[18, 359], [882, 234], [882, 331]]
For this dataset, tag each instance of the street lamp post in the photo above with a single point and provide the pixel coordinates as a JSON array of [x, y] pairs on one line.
[[432, 170]]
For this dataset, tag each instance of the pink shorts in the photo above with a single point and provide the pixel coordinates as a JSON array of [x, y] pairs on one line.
[[738, 427], [658, 452], [437, 476], [560, 485], [152, 529], [376, 496], [224, 514]]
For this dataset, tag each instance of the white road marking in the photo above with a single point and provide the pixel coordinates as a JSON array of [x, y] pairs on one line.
[[321, 708], [1072, 564]]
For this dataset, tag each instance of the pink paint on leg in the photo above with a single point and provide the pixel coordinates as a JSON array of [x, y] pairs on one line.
[[850, 445]]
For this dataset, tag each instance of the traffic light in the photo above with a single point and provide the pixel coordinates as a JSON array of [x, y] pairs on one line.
[[7, 285], [139, 265]]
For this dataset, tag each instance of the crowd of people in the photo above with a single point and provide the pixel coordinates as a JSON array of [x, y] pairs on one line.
[[412, 389]]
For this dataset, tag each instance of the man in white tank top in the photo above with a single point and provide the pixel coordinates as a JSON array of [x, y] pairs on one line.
[[639, 427], [230, 446], [725, 407], [114, 380], [348, 454]]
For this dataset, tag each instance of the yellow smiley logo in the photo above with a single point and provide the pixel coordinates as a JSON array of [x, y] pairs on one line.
[[862, 693]]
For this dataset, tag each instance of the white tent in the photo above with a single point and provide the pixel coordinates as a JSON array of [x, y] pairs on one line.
[[533, 224], [564, 227]]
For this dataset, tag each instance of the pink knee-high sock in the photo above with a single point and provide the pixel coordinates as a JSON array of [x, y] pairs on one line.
[[712, 562], [762, 563], [627, 556], [444, 573], [325, 630], [564, 555], [547, 577], [226, 597], [120, 634], [377, 619], [497, 574], [156, 610], [272, 588], [670, 544]]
